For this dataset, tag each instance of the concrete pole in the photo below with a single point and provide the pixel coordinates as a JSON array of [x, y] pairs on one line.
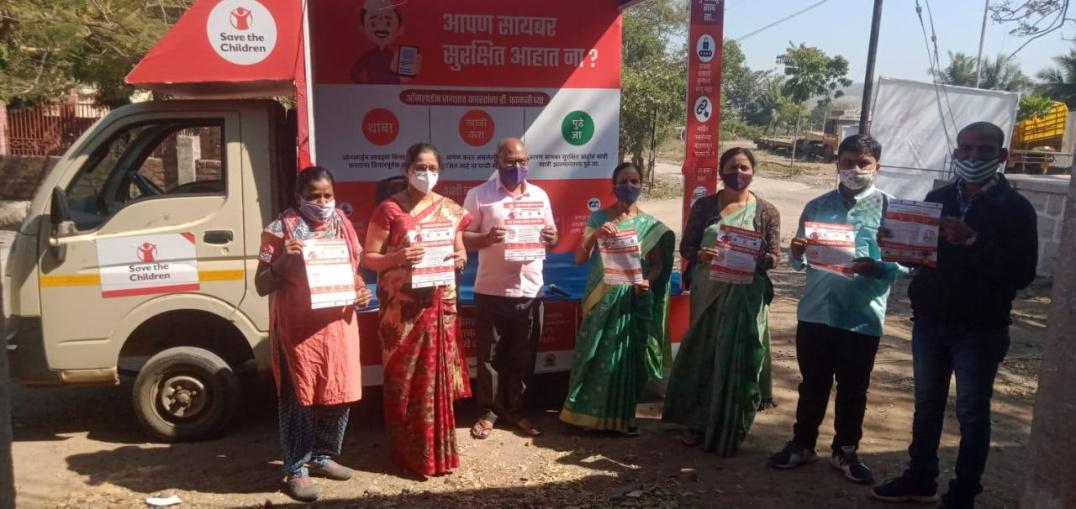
[[7, 473], [868, 81], [1049, 481], [982, 39]]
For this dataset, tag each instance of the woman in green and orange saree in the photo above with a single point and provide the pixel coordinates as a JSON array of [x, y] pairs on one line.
[[622, 342], [420, 340], [721, 376]]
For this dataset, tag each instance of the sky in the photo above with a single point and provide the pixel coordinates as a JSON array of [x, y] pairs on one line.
[[843, 27]]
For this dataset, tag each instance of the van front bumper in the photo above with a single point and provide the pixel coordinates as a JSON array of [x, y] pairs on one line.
[[26, 353]]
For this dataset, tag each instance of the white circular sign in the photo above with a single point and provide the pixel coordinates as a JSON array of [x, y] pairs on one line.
[[594, 204], [706, 48], [704, 109], [242, 32]]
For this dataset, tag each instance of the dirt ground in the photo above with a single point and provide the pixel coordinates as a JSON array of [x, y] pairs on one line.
[[83, 447]]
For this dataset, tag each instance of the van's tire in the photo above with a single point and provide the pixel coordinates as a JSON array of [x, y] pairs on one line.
[[185, 394]]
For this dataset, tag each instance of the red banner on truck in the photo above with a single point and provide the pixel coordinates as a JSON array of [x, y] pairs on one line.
[[463, 75]]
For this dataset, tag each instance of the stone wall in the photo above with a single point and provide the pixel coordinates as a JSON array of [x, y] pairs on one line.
[[20, 176], [1048, 194]]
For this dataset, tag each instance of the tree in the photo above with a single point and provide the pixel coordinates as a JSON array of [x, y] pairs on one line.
[[1000, 73], [960, 71], [48, 46], [653, 79], [1059, 83], [812, 73], [738, 83], [1003, 73], [1034, 19], [1033, 106]]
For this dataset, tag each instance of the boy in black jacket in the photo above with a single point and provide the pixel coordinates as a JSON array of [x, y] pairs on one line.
[[988, 251]]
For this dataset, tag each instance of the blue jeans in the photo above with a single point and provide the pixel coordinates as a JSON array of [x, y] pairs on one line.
[[940, 349]]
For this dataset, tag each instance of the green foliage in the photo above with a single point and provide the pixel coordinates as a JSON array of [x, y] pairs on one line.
[[733, 128], [1032, 106], [1000, 73], [48, 46], [1059, 83], [812, 73], [653, 79]]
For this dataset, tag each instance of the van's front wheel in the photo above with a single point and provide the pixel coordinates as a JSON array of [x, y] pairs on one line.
[[185, 393]]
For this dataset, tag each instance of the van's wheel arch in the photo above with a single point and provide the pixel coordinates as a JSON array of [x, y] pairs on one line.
[[185, 393]]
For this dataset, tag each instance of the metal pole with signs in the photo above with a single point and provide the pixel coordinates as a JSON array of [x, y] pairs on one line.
[[703, 101]]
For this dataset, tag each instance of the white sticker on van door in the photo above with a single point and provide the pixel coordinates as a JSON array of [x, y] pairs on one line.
[[147, 265]]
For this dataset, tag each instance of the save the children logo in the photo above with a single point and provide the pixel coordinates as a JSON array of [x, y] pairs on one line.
[[241, 18], [147, 252], [242, 32]]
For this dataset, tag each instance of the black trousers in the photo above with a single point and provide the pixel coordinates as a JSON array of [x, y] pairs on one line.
[[826, 353], [508, 332]]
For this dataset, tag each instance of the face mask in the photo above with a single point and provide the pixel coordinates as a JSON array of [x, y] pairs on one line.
[[316, 212], [856, 179], [423, 181], [512, 176], [737, 181], [975, 171], [627, 193]]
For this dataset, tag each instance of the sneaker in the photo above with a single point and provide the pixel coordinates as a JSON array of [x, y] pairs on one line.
[[792, 456], [846, 460], [905, 489], [301, 489], [330, 470]]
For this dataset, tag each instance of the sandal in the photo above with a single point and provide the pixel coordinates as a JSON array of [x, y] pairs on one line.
[[528, 428], [481, 429]]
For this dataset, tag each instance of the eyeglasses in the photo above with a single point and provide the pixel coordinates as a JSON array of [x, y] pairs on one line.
[[432, 168], [521, 162]]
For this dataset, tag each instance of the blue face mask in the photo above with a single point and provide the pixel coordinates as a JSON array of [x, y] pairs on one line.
[[975, 171], [316, 212], [627, 193], [512, 176]]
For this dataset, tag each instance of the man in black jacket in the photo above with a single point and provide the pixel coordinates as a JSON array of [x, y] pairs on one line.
[[988, 251]]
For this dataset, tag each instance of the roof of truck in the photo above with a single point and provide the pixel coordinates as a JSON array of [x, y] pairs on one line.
[[233, 48]]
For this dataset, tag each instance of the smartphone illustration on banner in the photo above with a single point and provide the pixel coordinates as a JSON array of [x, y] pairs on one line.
[[408, 62]]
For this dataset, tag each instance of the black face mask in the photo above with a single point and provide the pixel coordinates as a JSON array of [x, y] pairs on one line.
[[627, 193], [737, 181]]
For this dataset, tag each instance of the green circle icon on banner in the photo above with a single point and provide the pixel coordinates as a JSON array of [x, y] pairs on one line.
[[577, 128]]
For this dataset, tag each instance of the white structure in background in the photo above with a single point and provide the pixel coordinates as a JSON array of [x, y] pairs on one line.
[[917, 124]]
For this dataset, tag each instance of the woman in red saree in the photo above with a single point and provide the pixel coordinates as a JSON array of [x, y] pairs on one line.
[[424, 368], [315, 352]]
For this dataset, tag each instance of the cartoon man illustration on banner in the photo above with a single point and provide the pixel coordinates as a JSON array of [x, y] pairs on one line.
[[386, 63]]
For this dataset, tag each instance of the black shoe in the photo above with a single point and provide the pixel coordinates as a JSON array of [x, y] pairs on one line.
[[905, 489], [792, 456], [301, 489], [846, 460]]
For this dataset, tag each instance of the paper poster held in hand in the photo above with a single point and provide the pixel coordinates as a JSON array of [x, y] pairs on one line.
[[737, 258], [329, 273], [831, 247], [621, 258], [912, 229], [523, 239], [438, 267]]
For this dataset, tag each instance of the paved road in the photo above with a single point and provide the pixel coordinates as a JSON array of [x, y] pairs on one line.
[[789, 198]]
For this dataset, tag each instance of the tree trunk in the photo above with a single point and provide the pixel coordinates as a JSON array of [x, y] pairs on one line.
[[1049, 480], [7, 474]]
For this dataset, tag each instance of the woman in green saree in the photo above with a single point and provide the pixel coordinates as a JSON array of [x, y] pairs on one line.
[[621, 342], [721, 375]]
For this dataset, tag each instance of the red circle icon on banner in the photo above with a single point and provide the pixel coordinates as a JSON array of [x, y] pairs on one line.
[[380, 126], [476, 128]]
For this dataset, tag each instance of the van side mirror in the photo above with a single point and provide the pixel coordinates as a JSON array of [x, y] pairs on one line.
[[60, 218], [59, 210]]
